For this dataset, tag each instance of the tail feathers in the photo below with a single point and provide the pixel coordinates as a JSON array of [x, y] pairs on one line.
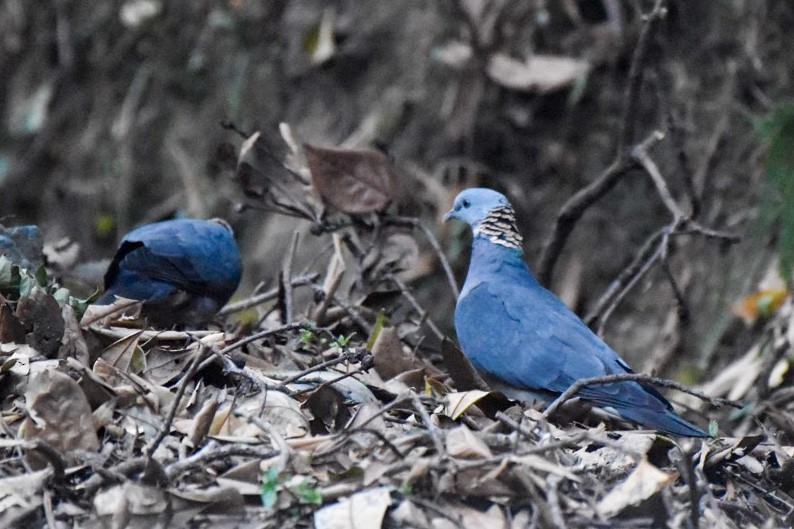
[[665, 421], [106, 299]]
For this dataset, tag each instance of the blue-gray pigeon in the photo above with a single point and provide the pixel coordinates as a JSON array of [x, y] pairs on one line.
[[183, 270], [524, 340]]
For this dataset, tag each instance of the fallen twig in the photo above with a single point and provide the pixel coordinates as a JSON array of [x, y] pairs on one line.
[[635, 377], [423, 315], [264, 297], [186, 378]]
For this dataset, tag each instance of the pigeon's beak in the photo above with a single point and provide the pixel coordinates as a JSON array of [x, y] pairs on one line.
[[449, 214]]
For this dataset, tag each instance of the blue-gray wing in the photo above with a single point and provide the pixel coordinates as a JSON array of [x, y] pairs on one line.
[[526, 337], [191, 255]]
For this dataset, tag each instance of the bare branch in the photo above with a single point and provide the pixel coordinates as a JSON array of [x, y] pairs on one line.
[[431, 238], [266, 296], [572, 211], [634, 88], [575, 207], [577, 386], [415, 304]]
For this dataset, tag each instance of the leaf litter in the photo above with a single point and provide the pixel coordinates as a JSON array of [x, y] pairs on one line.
[[354, 411]]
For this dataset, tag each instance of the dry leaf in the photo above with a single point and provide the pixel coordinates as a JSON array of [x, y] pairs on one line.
[[353, 181], [121, 308], [59, 414], [539, 73], [128, 501], [204, 419], [73, 343], [459, 368], [461, 442], [362, 510], [643, 482], [327, 406], [456, 404], [389, 356], [40, 315], [21, 494], [325, 46], [263, 175], [395, 253], [11, 330], [119, 353], [759, 304], [537, 462]]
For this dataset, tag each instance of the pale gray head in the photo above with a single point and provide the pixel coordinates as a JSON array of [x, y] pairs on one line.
[[489, 214]]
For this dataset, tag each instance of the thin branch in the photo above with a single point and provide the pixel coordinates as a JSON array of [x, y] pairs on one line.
[[687, 469], [641, 156], [285, 280], [552, 496], [453, 285], [212, 452], [351, 311], [432, 429], [577, 386], [626, 276], [264, 297], [423, 315], [633, 279], [264, 334], [431, 238], [356, 355], [573, 210], [680, 300], [575, 207], [634, 87], [677, 138], [180, 392]]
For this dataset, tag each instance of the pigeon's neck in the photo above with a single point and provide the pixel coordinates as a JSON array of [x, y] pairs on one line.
[[492, 261], [499, 227]]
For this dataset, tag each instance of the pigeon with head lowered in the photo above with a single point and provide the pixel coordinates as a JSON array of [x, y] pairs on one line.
[[524, 340], [183, 270]]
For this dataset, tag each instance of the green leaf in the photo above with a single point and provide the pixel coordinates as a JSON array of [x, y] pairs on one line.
[[41, 276], [26, 285], [307, 493], [270, 482], [306, 336], [61, 295], [7, 274], [379, 321], [713, 428], [778, 129], [104, 225]]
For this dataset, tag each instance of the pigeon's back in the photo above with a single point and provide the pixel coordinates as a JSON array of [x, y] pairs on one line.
[[184, 270]]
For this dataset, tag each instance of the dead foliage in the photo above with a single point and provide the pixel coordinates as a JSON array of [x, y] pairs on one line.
[[296, 410]]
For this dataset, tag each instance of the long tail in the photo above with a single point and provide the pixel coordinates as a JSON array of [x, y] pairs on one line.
[[663, 420]]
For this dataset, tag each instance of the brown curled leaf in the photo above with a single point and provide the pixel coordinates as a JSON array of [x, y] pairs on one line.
[[353, 181]]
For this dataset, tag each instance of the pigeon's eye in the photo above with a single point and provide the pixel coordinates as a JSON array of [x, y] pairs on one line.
[[466, 203]]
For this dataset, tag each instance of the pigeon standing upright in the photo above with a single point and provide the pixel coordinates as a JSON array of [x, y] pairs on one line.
[[524, 340], [183, 270]]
